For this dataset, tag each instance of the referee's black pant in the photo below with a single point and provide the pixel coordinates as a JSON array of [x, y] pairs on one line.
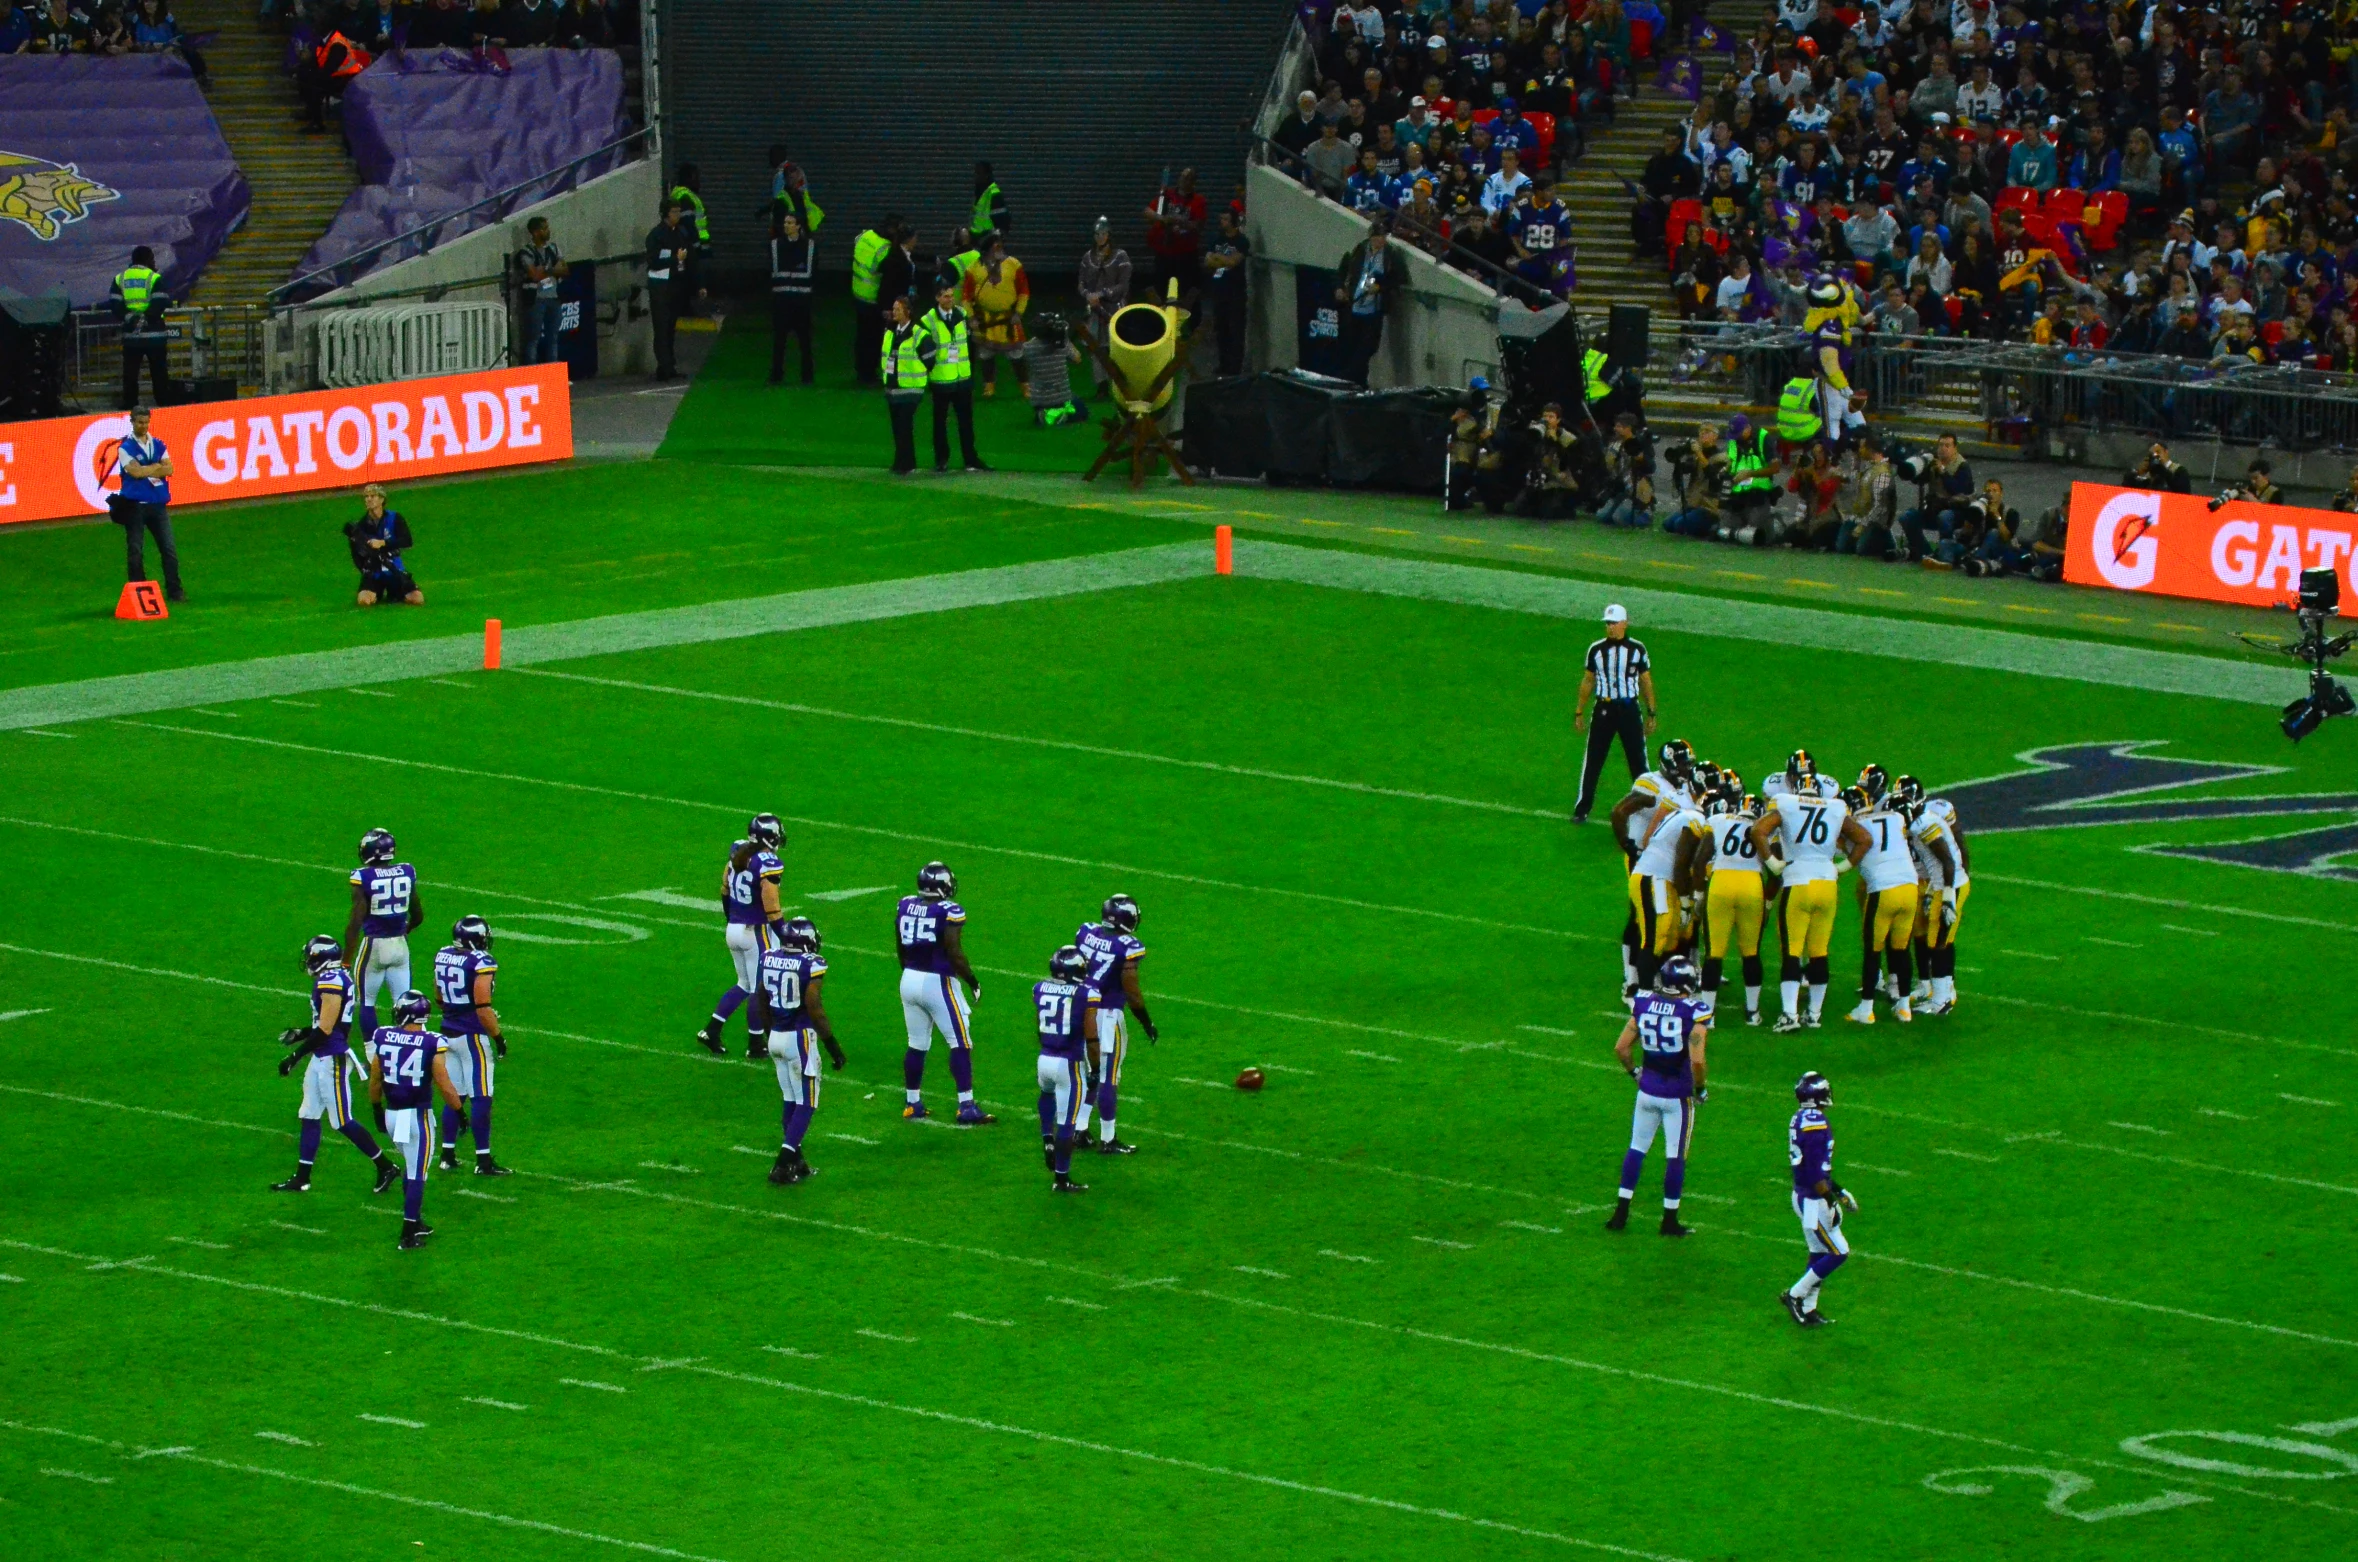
[[1613, 718]]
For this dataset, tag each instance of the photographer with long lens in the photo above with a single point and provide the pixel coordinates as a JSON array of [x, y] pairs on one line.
[[2157, 471]]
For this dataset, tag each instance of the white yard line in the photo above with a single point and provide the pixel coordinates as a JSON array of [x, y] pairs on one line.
[[496, 1404], [401, 1421], [2327, 924], [288, 1438], [879, 1334], [603, 1388]]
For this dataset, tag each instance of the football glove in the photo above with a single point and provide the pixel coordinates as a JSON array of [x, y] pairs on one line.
[[294, 1035], [1850, 1200], [1702, 1096], [834, 1053], [1152, 1034], [499, 1046], [286, 1065]]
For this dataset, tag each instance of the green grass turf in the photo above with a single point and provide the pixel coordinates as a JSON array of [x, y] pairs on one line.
[[1382, 1278], [731, 413]]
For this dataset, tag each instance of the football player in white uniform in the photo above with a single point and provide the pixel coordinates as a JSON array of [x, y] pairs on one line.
[[1946, 860], [1669, 786], [1808, 827], [1887, 892], [1658, 887], [1734, 895]]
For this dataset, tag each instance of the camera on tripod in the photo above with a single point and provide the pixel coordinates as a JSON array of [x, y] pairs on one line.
[[2320, 599]]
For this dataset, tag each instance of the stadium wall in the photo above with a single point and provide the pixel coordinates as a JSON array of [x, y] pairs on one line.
[[1077, 104]]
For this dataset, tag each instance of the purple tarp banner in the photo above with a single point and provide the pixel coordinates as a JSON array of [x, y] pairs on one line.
[[99, 155], [435, 131]]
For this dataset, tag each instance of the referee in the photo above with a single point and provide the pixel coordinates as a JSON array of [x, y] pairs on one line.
[[1620, 680]]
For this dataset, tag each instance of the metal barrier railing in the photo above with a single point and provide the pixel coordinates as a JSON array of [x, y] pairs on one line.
[[205, 342]]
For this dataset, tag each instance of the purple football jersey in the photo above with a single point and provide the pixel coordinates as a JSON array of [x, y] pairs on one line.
[[1110, 952], [743, 900], [919, 925], [334, 982], [786, 978], [386, 892], [407, 1058], [1809, 1144], [455, 970], [1064, 1015], [1664, 1026]]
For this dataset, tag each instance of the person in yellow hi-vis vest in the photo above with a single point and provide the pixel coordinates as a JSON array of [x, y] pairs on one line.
[[138, 291], [997, 293], [952, 375], [867, 290], [904, 365]]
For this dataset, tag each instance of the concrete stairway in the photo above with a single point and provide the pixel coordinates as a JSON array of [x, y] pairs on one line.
[[299, 180], [1612, 272]]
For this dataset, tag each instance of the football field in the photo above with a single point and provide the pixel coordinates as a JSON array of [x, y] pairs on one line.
[[2102, 1303]]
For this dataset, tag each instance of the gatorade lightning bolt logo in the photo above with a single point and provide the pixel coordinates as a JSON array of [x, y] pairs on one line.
[[45, 198], [95, 458]]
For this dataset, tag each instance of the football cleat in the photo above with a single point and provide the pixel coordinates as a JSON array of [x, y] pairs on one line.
[[1065, 1184], [709, 1038], [471, 932], [801, 1171], [450, 1157], [411, 1005], [1786, 1024], [1813, 1019], [757, 1046], [1069, 965], [801, 935], [1901, 1011], [915, 1110], [1619, 1219], [1048, 1153], [321, 952], [1920, 993], [415, 1236], [1942, 1006], [1794, 1309], [782, 1169], [298, 1183], [1863, 1013], [1752, 1016], [973, 1116], [388, 1173], [936, 882], [376, 847], [1115, 1147], [485, 1166], [1811, 1318], [1121, 913], [1671, 1227]]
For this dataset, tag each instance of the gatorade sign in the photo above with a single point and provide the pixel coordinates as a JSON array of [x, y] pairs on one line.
[[65, 467], [2176, 545]]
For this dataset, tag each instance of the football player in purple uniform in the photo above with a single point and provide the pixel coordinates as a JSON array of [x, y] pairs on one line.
[[1817, 1198], [405, 1074], [751, 909], [385, 909], [786, 1001], [928, 927], [1668, 1026], [463, 976], [324, 1050], [1113, 951], [1067, 1040]]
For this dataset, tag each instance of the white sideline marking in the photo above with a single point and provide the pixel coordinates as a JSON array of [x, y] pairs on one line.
[[1402, 1331], [669, 1166], [298, 704], [667, 896], [415, 1426], [1147, 1285], [1548, 1030], [38, 732], [1703, 1198], [1348, 1258], [1266, 1274], [1528, 1225], [350, 669], [2198, 932], [879, 1334], [163, 1453], [1968, 1155], [450, 683], [799, 1355], [1074, 1301], [12, 1279], [2215, 1111], [1138, 756], [663, 1364], [1377, 1057], [77, 1475], [1209, 1084], [20, 1014], [996, 1323], [1462, 1247], [746, 1149], [496, 1404], [2110, 943], [477, 1193], [603, 1388], [1130, 870], [1914, 640], [1892, 1171], [121, 1263], [2159, 900], [189, 1456], [199, 710], [848, 1139], [2140, 1128], [848, 894], [2325, 1428], [309, 1231], [379, 694], [2030, 954], [218, 1247], [288, 1438], [2304, 1100], [1271, 1068]]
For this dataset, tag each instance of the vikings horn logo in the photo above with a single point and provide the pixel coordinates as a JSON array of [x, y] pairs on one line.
[[45, 197]]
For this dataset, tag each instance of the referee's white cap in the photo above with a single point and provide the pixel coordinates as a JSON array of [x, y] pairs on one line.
[[1616, 614]]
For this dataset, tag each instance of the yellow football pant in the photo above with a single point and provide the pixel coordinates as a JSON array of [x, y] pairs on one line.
[[1806, 912], [1733, 908], [1891, 917], [1656, 909]]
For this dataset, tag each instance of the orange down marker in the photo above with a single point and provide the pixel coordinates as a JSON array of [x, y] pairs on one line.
[[1223, 551], [491, 645]]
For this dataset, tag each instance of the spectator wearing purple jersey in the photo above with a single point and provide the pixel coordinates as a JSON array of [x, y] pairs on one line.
[[1662, 1049]]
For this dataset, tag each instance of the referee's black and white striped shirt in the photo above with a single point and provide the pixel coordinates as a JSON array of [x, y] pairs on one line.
[[1616, 665]]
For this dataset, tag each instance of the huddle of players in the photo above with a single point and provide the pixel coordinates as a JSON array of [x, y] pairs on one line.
[[1663, 1048], [1082, 1007], [406, 1065], [1706, 860]]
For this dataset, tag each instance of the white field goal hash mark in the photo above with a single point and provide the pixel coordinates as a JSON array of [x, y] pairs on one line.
[[603, 1388]]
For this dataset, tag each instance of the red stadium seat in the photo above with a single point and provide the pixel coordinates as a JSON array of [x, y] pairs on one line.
[[1444, 109], [2009, 138], [2272, 332], [1545, 124], [1684, 214], [1641, 39], [2016, 197]]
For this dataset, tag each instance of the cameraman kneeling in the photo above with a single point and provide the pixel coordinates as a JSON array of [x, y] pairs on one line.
[[377, 539]]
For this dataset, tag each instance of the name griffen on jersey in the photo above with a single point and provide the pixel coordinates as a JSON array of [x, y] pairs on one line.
[[388, 889], [455, 970], [1659, 858], [407, 1059], [1064, 1007], [334, 982], [1110, 952], [1891, 859], [1808, 829], [786, 977], [1664, 1026], [919, 926], [743, 902], [1809, 1144]]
